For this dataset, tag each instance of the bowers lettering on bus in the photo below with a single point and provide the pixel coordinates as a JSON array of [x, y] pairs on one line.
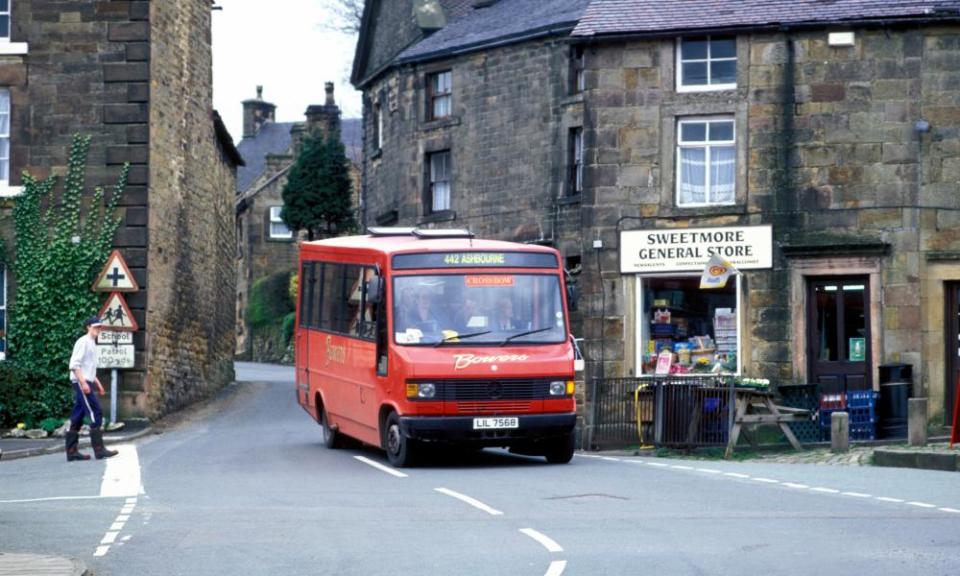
[[403, 341]]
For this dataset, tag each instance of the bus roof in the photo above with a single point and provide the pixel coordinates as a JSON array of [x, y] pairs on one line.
[[400, 244]]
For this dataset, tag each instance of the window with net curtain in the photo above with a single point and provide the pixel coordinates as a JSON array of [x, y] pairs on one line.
[[440, 170], [706, 161], [4, 137], [278, 228]]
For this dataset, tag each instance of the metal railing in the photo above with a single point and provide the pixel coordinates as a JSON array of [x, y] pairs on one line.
[[661, 411]]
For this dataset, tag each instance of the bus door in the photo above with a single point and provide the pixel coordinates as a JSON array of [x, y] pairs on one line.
[[362, 314], [308, 301]]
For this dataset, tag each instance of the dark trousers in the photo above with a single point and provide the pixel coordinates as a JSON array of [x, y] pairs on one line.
[[85, 406]]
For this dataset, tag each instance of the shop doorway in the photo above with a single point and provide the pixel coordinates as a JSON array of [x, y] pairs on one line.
[[838, 333], [952, 331]]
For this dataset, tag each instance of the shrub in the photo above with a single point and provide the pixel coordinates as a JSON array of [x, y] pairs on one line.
[[269, 300]]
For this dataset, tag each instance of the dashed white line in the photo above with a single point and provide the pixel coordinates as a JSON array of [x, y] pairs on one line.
[[766, 480], [101, 551], [736, 475], [921, 504], [381, 467], [109, 538], [856, 494], [709, 471], [122, 518], [887, 499], [543, 539], [556, 568], [795, 485], [658, 464], [53, 499], [825, 490], [471, 501], [609, 459], [950, 510], [117, 526], [676, 467]]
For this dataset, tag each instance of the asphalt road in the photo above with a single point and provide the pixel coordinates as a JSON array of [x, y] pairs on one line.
[[244, 486]]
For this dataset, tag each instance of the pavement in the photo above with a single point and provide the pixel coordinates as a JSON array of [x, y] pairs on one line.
[[14, 448], [40, 565], [244, 485]]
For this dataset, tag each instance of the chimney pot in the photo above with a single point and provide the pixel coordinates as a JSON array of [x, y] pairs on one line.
[[329, 88]]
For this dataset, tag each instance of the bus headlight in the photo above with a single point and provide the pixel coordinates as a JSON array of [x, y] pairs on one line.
[[423, 390], [558, 388]]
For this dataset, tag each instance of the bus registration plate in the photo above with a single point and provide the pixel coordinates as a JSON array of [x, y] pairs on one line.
[[495, 423]]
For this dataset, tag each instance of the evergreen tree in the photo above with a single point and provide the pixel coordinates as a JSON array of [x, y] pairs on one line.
[[317, 197]]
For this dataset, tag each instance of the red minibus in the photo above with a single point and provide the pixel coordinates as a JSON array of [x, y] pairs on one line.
[[409, 337]]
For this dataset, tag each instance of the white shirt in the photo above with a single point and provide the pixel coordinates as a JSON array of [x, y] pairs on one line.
[[84, 357]]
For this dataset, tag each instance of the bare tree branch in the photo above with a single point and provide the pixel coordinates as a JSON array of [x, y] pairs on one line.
[[346, 16]]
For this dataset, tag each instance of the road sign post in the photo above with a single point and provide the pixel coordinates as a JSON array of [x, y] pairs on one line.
[[115, 345]]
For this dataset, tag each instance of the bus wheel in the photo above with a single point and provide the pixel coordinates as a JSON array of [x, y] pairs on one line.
[[400, 449], [560, 451], [331, 438]]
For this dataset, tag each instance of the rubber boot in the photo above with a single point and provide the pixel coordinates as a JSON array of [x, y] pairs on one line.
[[73, 448], [99, 450]]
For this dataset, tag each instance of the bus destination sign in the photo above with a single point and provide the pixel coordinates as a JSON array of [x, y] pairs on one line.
[[474, 260]]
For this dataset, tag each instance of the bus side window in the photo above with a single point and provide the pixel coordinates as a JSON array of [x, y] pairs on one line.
[[380, 317]]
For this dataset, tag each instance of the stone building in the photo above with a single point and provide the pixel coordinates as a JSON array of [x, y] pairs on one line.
[[137, 77], [264, 243], [813, 144]]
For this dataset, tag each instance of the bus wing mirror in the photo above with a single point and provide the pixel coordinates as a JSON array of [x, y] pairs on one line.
[[375, 290], [573, 298]]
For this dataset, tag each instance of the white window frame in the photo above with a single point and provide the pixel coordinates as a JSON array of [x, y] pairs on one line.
[[275, 219], [708, 87], [379, 119], [577, 157], [6, 46], [707, 145], [3, 307], [434, 207], [6, 190], [436, 97], [643, 332]]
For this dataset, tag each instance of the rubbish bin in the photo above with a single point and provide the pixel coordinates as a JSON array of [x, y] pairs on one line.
[[896, 381]]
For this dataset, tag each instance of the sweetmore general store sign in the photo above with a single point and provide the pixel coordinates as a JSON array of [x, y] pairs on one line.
[[689, 249]]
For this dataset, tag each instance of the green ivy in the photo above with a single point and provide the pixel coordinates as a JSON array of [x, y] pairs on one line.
[[62, 241], [269, 300]]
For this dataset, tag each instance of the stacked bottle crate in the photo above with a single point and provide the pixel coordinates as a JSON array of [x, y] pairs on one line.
[[859, 405]]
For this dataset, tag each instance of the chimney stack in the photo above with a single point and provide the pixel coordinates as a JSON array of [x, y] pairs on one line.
[[256, 113], [329, 89]]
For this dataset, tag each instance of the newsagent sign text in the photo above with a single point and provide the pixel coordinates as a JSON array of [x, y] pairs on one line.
[[689, 249]]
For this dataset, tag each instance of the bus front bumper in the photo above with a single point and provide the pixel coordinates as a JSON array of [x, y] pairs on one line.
[[460, 429]]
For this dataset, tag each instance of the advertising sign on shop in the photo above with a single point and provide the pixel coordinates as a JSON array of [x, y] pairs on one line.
[[690, 249]]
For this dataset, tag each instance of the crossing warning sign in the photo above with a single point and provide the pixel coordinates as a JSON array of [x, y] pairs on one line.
[[115, 276], [115, 314]]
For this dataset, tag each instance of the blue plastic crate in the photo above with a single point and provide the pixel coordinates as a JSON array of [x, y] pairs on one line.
[[861, 399]]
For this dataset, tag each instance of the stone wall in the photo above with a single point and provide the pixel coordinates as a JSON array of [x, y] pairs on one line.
[[191, 304]]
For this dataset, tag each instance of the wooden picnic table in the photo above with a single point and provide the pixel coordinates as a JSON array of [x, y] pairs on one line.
[[750, 407]]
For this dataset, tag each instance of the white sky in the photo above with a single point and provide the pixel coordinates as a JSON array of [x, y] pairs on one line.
[[283, 46]]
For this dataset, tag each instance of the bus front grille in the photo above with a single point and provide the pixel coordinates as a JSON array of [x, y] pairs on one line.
[[493, 407], [485, 390]]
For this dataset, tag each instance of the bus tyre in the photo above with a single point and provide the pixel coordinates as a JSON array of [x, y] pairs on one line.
[[400, 449], [331, 438], [561, 450]]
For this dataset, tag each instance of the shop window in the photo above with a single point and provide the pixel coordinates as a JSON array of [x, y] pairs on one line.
[[698, 328], [707, 63], [706, 161], [439, 95], [278, 228]]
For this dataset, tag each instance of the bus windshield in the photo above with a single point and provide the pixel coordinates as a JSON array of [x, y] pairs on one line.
[[470, 309]]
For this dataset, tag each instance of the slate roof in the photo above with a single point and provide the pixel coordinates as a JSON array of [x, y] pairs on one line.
[[274, 138], [648, 16], [468, 28]]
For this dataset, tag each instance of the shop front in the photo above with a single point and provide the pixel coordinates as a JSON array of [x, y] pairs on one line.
[[682, 329]]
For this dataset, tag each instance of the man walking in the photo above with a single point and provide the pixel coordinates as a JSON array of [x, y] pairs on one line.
[[83, 373]]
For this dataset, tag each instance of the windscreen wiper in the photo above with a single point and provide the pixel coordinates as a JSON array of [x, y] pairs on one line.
[[527, 333], [459, 336]]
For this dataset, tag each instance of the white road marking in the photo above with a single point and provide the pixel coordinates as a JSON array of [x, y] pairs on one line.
[[766, 480], [609, 459], [471, 501], [117, 526], [856, 494], [951, 510], [795, 485], [381, 467], [122, 518], [126, 538], [122, 474], [921, 504], [556, 568], [736, 475], [709, 471], [132, 500], [543, 539], [53, 499], [658, 464], [825, 490], [101, 551], [126, 510], [675, 467], [886, 499], [109, 538]]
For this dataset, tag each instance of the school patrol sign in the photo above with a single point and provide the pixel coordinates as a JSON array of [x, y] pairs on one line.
[[115, 356], [116, 315]]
